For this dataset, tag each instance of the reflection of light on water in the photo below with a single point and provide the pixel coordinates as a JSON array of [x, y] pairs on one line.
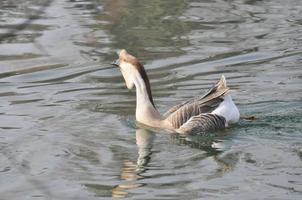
[[218, 145], [214, 146], [185, 45], [131, 172], [144, 141]]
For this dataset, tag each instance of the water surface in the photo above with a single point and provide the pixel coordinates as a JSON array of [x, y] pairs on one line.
[[67, 128]]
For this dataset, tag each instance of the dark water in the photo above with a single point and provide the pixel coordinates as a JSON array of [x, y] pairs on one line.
[[67, 128]]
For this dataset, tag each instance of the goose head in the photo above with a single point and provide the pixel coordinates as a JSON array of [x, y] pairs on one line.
[[132, 70], [128, 65]]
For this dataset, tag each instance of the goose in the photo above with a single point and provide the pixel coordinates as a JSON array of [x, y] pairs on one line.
[[211, 111]]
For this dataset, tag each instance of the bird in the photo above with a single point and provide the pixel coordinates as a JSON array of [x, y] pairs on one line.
[[209, 112]]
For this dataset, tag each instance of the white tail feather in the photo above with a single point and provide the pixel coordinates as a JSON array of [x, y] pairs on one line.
[[228, 110]]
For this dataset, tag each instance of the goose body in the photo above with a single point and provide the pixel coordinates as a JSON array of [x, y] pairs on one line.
[[214, 110]]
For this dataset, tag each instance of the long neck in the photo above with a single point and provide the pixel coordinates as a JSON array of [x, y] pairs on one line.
[[142, 73], [145, 110]]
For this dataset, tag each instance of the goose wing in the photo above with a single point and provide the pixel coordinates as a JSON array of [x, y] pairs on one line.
[[202, 123], [180, 114]]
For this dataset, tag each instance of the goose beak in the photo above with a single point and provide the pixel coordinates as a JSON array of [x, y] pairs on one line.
[[116, 63]]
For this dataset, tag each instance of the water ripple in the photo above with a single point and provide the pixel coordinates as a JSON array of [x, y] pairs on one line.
[[67, 121]]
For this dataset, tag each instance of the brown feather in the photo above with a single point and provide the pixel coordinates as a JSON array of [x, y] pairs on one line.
[[202, 123], [180, 114], [124, 56]]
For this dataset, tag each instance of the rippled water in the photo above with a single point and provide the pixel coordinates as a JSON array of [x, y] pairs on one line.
[[67, 128]]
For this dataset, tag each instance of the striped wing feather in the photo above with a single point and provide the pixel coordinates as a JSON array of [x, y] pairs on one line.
[[180, 114], [185, 112], [202, 123]]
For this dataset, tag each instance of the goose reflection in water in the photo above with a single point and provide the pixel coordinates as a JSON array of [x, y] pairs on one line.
[[132, 172]]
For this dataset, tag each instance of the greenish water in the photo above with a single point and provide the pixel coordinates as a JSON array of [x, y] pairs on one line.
[[67, 128]]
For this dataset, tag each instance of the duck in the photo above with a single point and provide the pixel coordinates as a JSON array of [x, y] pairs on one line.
[[209, 112]]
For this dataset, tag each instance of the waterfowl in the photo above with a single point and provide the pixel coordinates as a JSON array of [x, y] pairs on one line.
[[214, 110]]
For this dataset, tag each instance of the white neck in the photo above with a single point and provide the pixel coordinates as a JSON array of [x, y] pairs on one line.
[[146, 113]]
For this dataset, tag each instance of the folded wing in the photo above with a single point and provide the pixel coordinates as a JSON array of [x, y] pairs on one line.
[[180, 114], [202, 123]]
